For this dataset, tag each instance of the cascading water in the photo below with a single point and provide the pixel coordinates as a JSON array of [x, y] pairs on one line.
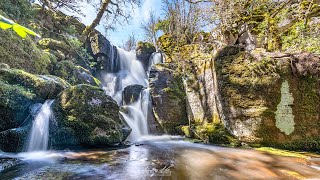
[[39, 134], [137, 116], [131, 72]]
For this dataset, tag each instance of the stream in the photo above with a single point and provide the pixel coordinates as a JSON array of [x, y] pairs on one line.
[[161, 157]]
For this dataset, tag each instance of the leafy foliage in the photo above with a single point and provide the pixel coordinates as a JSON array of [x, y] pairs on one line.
[[20, 30]]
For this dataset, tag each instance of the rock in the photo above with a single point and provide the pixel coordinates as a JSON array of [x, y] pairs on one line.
[[271, 100], [105, 54], [55, 45], [74, 74], [85, 115], [214, 133], [168, 98], [4, 66], [144, 51], [19, 90], [23, 53], [46, 87], [131, 94], [200, 96], [13, 140], [247, 39]]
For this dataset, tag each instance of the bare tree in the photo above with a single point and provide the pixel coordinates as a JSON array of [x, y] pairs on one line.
[[150, 28], [69, 5], [116, 13], [184, 19], [130, 44]]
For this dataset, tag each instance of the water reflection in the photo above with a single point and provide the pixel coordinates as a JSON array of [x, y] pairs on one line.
[[159, 159]]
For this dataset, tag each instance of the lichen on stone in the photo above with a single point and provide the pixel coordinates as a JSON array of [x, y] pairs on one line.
[[284, 115]]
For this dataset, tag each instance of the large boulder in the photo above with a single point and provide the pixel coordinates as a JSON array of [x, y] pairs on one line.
[[19, 90], [168, 97], [131, 94], [85, 115], [271, 98], [74, 74], [144, 51], [13, 140]]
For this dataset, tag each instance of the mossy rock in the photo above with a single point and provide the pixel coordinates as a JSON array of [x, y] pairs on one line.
[[144, 51], [74, 74], [271, 101], [167, 44], [19, 90], [53, 44], [23, 53], [13, 140], [214, 133], [86, 116], [45, 87], [168, 97]]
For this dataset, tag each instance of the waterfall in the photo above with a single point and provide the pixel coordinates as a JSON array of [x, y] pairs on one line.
[[38, 137], [131, 72], [137, 116]]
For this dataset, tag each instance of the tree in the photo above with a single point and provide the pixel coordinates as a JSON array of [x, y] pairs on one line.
[[113, 12], [150, 29], [183, 19], [130, 44], [69, 5], [116, 14]]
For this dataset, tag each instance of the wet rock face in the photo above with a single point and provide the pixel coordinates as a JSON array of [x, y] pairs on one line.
[[168, 98], [271, 99], [86, 116], [144, 51], [131, 94]]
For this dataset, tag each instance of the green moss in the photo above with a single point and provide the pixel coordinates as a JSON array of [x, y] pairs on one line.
[[42, 86], [282, 152], [88, 116], [22, 53], [74, 74], [214, 133]]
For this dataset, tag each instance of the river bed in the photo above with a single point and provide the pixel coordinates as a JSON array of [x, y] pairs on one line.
[[161, 158]]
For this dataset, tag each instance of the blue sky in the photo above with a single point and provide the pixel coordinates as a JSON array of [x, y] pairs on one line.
[[139, 15]]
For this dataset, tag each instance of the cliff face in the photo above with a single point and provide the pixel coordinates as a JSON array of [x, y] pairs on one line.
[[271, 98], [260, 97]]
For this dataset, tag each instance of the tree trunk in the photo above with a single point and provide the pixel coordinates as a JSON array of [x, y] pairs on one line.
[[96, 21]]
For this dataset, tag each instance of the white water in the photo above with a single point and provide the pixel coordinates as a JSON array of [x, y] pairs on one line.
[[131, 72], [39, 134], [137, 116]]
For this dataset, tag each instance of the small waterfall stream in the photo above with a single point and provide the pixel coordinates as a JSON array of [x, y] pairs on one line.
[[131, 72], [137, 116], [39, 134]]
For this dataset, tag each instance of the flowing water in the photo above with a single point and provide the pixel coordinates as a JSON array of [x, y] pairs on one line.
[[160, 158], [136, 116], [131, 72], [151, 157], [39, 133]]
